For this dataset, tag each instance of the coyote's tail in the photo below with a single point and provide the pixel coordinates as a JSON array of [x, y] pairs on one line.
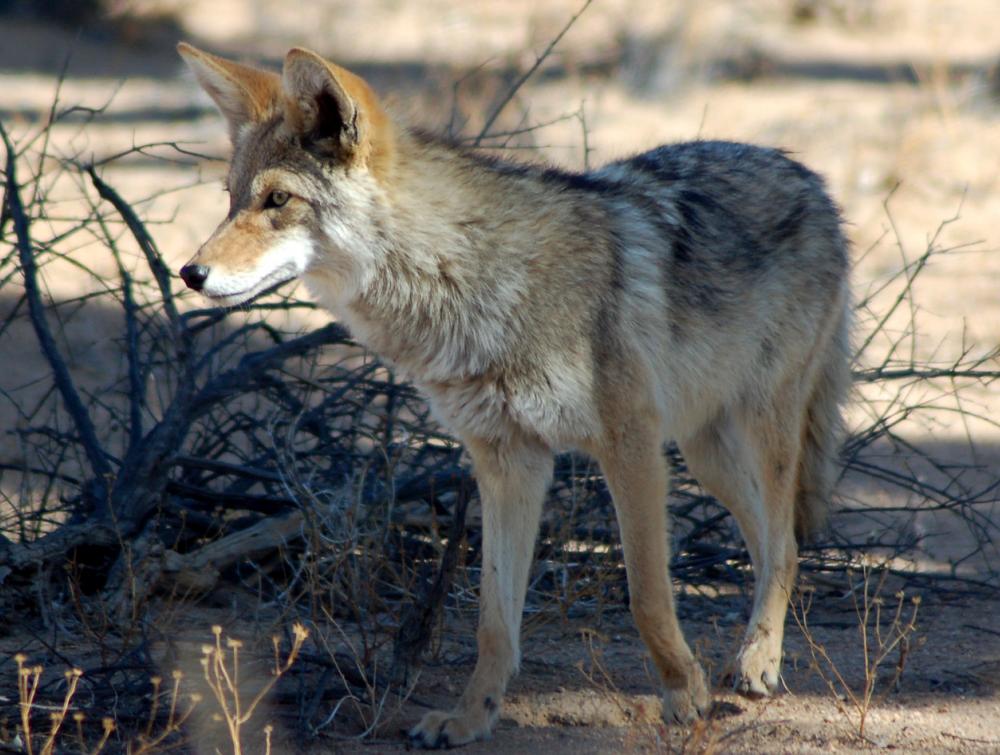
[[822, 432]]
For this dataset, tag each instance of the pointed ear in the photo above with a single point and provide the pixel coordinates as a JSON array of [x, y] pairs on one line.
[[243, 94], [333, 110]]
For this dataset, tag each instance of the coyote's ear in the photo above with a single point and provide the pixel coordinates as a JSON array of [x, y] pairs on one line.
[[243, 94], [334, 110]]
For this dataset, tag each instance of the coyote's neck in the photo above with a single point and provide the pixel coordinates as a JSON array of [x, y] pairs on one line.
[[442, 298]]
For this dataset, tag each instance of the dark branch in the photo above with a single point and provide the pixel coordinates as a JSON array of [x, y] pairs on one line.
[[74, 405]]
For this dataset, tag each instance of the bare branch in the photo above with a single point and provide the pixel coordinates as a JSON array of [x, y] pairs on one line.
[[148, 247], [64, 381], [485, 131]]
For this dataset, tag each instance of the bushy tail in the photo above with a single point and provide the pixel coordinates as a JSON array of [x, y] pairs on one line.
[[822, 433]]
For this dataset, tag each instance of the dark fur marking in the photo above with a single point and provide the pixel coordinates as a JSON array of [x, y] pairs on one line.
[[556, 177], [790, 225], [688, 273], [617, 279], [800, 170], [706, 297], [767, 353], [755, 255], [652, 164], [490, 704], [682, 246], [697, 198], [694, 293], [579, 181], [652, 212], [603, 342], [692, 206], [709, 218]]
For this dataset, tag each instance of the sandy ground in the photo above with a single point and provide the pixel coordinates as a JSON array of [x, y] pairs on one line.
[[587, 686], [895, 102], [948, 702]]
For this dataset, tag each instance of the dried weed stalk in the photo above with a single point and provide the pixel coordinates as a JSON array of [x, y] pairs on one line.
[[884, 631], [221, 668]]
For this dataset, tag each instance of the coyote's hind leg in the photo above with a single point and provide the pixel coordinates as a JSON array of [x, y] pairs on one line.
[[748, 460]]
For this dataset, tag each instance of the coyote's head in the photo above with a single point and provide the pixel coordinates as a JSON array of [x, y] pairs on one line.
[[311, 148]]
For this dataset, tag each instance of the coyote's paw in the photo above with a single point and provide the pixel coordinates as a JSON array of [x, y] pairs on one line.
[[440, 728], [682, 705], [758, 666]]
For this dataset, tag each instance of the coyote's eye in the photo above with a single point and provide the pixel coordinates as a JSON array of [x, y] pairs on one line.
[[276, 199]]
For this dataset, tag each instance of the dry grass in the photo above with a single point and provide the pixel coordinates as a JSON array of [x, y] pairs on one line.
[[883, 630]]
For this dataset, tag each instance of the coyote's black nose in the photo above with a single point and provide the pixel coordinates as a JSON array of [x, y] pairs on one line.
[[194, 276]]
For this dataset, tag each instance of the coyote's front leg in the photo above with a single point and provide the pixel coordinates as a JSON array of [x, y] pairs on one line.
[[513, 479]]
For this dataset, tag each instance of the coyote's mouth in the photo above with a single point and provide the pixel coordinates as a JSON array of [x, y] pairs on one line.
[[284, 262], [224, 296]]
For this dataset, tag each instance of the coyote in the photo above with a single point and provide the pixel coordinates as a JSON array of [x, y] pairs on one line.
[[695, 293]]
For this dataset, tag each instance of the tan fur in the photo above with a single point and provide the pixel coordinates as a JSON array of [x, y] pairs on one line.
[[697, 292], [242, 93]]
